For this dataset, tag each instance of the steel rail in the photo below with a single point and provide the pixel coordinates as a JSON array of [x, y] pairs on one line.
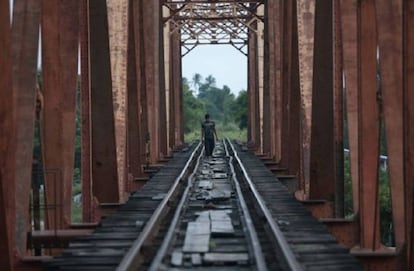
[[254, 240], [288, 254], [131, 258], [162, 251]]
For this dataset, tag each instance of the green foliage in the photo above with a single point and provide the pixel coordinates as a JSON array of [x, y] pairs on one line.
[[386, 224], [229, 112], [193, 109]]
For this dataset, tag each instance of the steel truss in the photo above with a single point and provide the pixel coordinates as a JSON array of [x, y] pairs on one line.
[[202, 22]]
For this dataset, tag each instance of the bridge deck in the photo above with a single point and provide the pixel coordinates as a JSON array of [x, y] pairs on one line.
[[313, 245]]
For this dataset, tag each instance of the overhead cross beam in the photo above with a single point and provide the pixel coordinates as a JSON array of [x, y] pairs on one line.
[[202, 22]]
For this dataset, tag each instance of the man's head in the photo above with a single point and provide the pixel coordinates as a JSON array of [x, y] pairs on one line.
[[207, 116]]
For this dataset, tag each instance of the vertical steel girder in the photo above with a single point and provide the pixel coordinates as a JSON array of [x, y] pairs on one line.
[[154, 75], [104, 167], [86, 162], [286, 70], [390, 45], [348, 11], [176, 103], [117, 12], [408, 53], [136, 156], [25, 40], [368, 126], [272, 117], [7, 142], [306, 22], [254, 139], [338, 112], [294, 119], [322, 175], [60, 21], [138, 28]]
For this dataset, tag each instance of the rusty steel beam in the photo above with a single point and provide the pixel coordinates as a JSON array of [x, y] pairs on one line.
[[104, 164], [322, 165], [390, 43], [408, 53], [25, 41], [338, 112], [286, 70], [253, 94], [176, 104], [141, 82], [294, 116], [273, 66], [152, 48], [135, 157], [86, 162], [368, 126], [7, 142], [306, 23], [60, 29], [348, 11], [117, 12]]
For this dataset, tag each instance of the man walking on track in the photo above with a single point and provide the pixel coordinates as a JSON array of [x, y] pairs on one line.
[[208, 133]]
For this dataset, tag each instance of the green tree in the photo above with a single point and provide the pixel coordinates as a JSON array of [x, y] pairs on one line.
[[240, 110], [193, 109], [196, 81]]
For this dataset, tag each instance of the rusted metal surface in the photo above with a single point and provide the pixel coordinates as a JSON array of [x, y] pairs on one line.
[[273, 79], [408, 126], [322, 158], [390, 44], [86, 162], [117, 12], [176, 90], [25, 40], [368, 127], [306, 24], [338, 111], [104, 164], [253, 100], [7, 142], [60, 63], [286, 70], [348, 11], [345, 230], [294, 161], [134, 149], [151, 43], [139, 36]]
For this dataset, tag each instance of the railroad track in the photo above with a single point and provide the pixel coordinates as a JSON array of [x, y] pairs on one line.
[[224, 213]]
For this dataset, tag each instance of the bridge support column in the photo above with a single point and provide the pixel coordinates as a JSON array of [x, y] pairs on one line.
[[25, 41], [7, 142], [272, 117], [322, 174], [408, 54], [154, 79], [293, 92], [136, 138], [253, 133], [104, 164], [60, 30], [369, 126]]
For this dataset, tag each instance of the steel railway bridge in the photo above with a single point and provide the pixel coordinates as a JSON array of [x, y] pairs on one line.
[[318, 70]]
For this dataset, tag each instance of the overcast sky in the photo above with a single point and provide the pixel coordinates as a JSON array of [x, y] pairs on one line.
[[223, 62]]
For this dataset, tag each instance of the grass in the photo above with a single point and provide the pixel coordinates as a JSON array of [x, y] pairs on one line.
[[230, 130]]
